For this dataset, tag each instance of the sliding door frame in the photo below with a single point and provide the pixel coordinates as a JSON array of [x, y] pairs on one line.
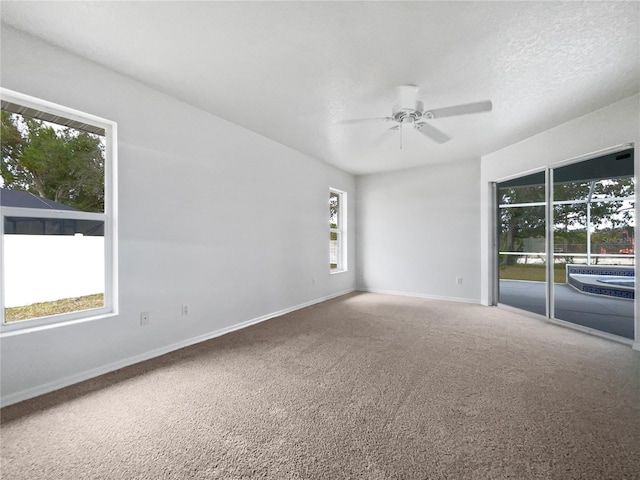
[[549, 243], [494, 258], [494, 255]]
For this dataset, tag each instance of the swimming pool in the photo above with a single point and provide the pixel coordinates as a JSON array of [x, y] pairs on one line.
[[620, 281]]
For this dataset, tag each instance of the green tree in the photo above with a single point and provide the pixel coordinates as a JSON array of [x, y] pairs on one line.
[[333, 211], [62, 164], [616, 214], [518, 223]]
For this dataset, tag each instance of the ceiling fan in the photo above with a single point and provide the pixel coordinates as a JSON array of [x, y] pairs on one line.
[[409, 111]]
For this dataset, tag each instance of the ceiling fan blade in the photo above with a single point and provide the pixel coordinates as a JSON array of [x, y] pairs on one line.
[[432, 132], [467, 108], [386, 135], [363, 120]]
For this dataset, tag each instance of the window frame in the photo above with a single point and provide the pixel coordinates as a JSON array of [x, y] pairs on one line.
[[108, 216], [340, 231]]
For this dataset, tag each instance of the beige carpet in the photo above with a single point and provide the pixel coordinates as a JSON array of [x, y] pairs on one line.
[[364, 386]]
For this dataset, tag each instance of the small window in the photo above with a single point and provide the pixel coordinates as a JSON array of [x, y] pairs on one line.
[[337, 231], [57, 209]]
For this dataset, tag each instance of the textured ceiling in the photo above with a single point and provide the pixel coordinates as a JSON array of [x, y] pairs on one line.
[[292, 71]]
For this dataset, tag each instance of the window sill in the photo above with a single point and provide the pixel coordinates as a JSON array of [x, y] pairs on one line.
[[337, 270], [12, 329]]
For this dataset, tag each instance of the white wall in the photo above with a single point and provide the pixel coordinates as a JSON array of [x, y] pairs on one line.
[[211, 215], [417, 231], [614, 125], [43, 268]]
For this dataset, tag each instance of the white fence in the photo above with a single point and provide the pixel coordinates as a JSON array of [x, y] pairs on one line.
[[43, 268]]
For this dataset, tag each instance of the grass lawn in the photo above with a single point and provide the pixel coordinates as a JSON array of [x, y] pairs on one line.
[[534, 273], [56, 307]]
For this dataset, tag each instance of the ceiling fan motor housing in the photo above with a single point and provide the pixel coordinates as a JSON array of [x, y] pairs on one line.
[[408, 109], [408, 113]]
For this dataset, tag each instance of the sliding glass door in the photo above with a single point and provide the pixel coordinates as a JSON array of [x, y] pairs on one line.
[[522, 257], [582, 269], [593, 241]]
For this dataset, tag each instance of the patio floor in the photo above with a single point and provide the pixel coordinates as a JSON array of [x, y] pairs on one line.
[[606, 314]]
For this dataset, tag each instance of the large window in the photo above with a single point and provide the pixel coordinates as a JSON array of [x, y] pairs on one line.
[[337, 230], [57, 213]]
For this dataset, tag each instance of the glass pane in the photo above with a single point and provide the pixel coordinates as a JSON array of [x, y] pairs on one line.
[[334, 250], [571, 191], [614, 187], [594, 245], [52, 267], [46, 165], [334, 210], [526, 189], [522, 229], [522, 283], [518, 195], [570, 232], [522, 259]]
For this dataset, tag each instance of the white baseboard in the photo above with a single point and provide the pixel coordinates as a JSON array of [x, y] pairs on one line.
[[95, 372], [420, 295]]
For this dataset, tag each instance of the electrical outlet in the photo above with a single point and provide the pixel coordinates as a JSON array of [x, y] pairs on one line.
[[144, 318], [458, 280], [185, 309]]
